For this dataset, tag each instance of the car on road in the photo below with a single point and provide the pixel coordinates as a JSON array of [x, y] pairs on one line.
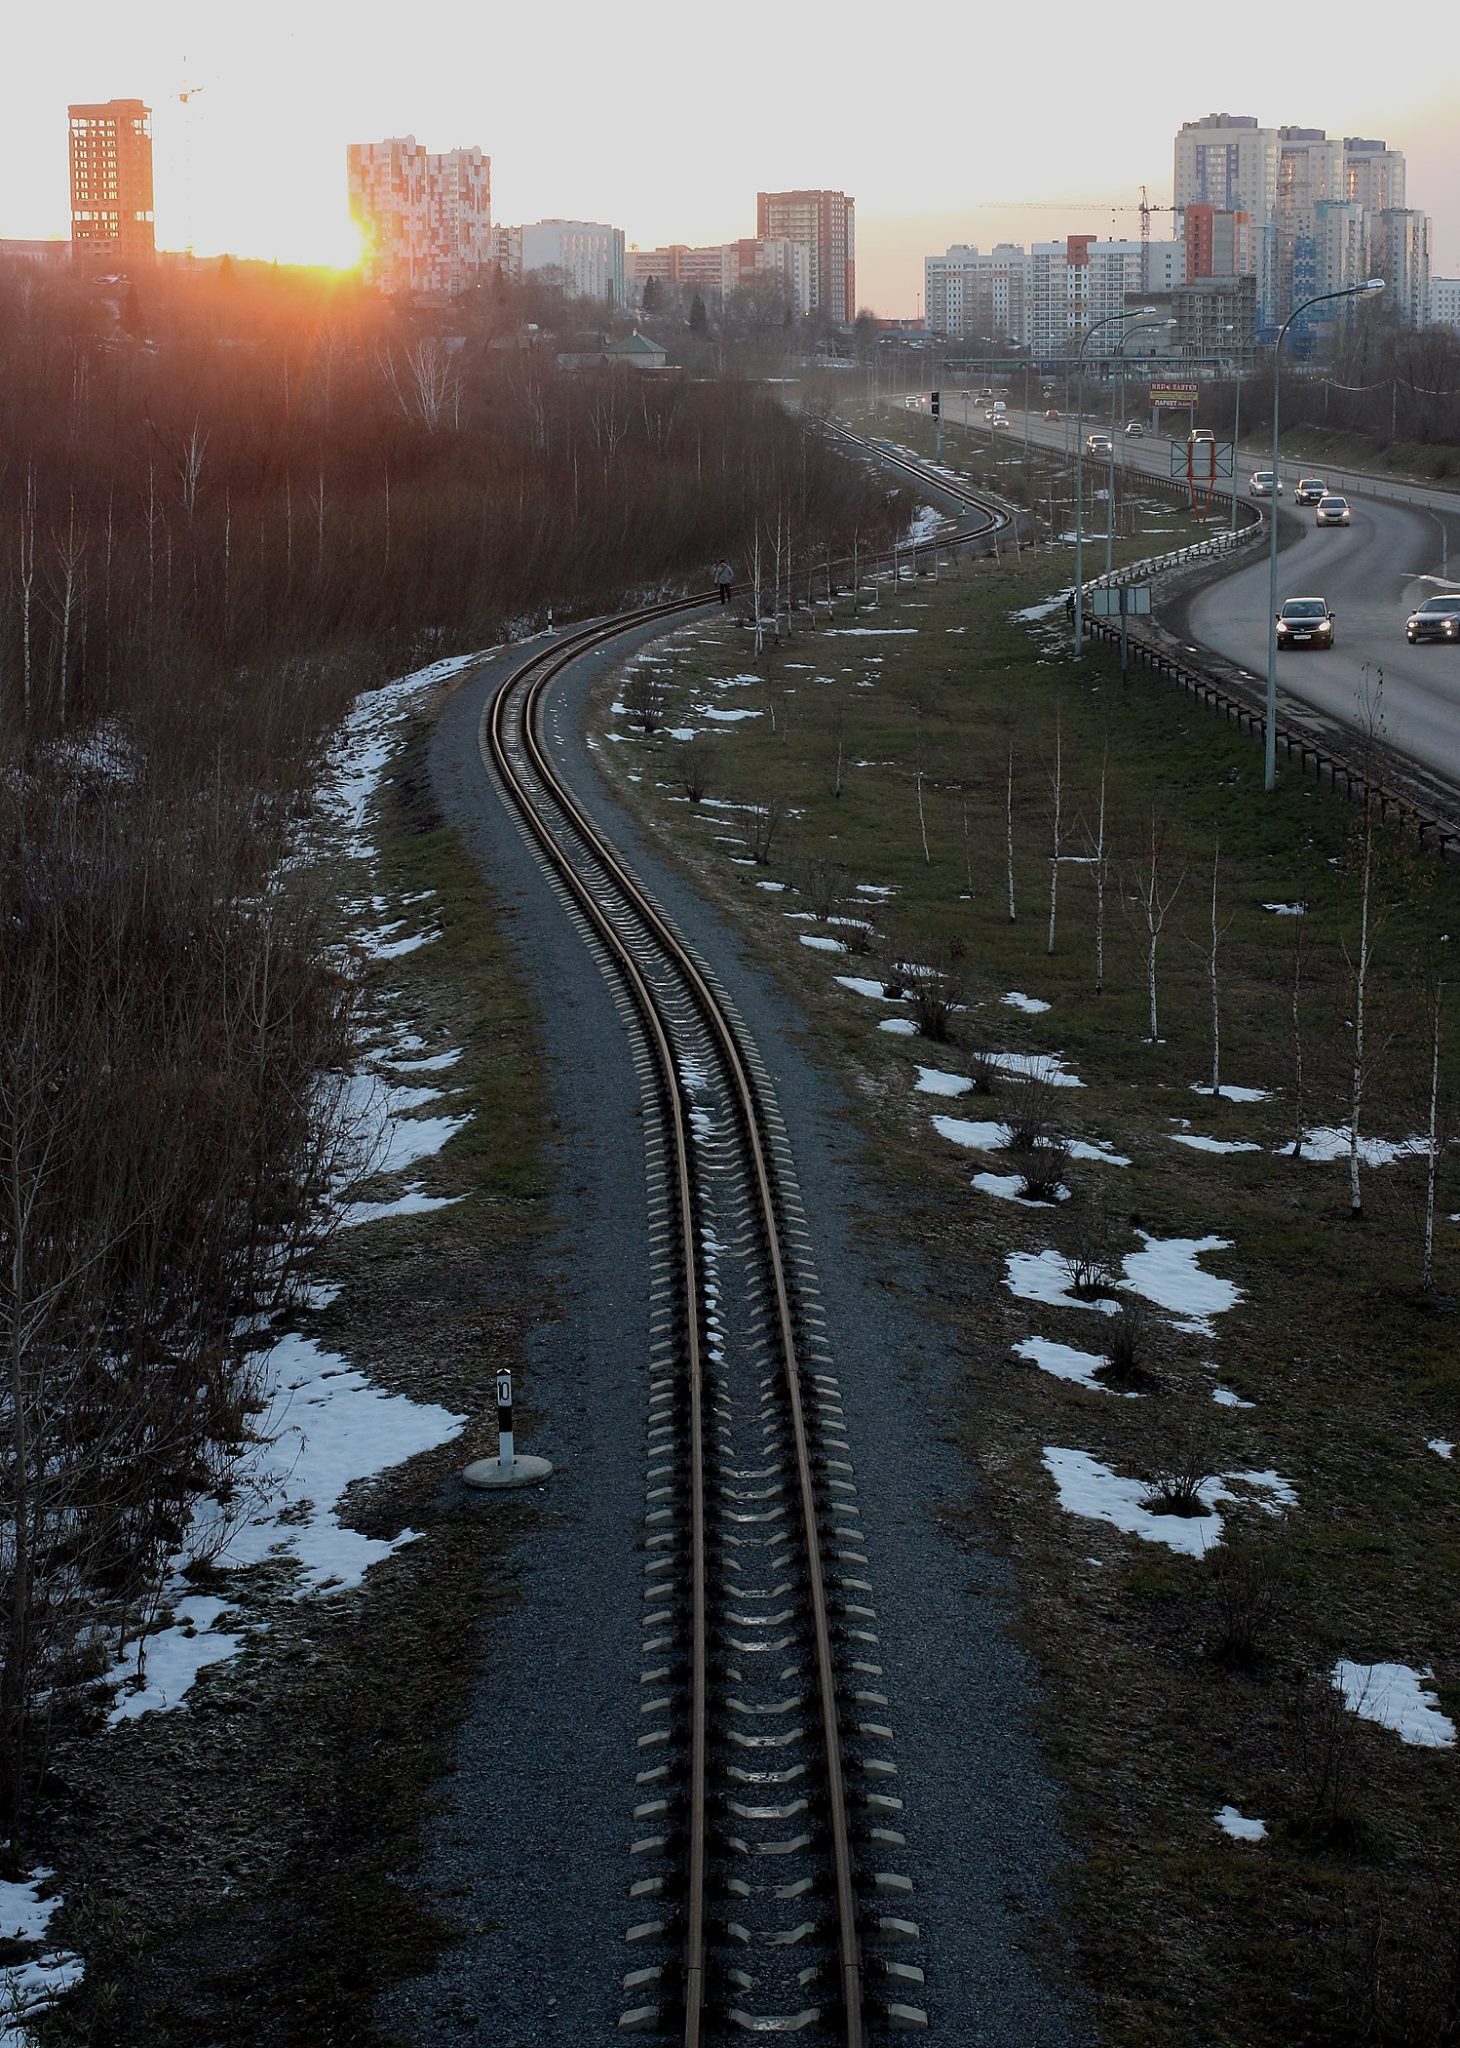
[[1098, 444], [1438, 618], [1001, 419], [1332, 511], [1305, 622], [1135, 429], [1051, 412], [1310, 490], [1266, 483], [1201, 434]]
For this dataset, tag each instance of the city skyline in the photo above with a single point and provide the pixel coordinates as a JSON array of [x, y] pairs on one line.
[[698, 146]]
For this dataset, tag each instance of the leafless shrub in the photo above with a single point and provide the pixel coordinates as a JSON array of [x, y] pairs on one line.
[[694, 764], [984, 1072], [822, 883], [860, 935], [645, 697], [1092, 1261], [1044, 1170], [760, 822], [934, 987], [1175, 1485], [1128, 1340], [1030, 1114], [1321, 1751], [1245, 1589]]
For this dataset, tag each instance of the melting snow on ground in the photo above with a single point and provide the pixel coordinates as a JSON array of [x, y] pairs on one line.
[[1037, 1066], [979, 1137], [1286, 909], [861, 986], [1238, 1826], [819, 944], [900, 1027], [933, 1081], [1009, 1187], [330, 1428], [1092, 1490], [1166, 1272], [326, 1427], [1030, 1004], [1066, 1363], [1440, 1446], [26, 1989], [1332, 1142], [1228, 1093], [1201, 1144], [1396, 1697]]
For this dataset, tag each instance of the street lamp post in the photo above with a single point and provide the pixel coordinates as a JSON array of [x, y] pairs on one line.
[[1373, 284], [1110, 320]]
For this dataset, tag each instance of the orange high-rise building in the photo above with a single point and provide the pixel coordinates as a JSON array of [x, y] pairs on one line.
[[111, 183]]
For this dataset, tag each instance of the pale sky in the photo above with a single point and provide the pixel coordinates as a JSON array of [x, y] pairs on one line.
[[666, 119]]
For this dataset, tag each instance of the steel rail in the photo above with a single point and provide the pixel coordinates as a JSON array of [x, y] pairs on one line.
[[538, 674]]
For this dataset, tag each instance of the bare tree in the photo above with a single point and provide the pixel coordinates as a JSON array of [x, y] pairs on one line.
[[1009, 825], [1098, 856], [1056, 797], [1216, 932], [1432, 1147], [1153, 892], [760, 822]]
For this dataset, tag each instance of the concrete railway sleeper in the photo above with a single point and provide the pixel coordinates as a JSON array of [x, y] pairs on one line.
[[766, 1816]]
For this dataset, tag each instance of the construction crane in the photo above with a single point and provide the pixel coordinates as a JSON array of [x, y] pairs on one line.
[[1111, 206]]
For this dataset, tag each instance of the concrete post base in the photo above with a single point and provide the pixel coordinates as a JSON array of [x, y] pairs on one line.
[[491, 1472]]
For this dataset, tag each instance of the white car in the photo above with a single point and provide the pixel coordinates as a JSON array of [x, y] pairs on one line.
[[1001, 419], [1135, 429], [1332, 511], [1266, 484], [1098, 444]]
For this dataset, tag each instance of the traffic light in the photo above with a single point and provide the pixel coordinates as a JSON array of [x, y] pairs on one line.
[[937, 404]]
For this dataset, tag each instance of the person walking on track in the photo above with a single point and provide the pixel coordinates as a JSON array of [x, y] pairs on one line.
[[724, 580]]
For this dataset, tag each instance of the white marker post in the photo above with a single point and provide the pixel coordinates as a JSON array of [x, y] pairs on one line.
[[506, 1469]]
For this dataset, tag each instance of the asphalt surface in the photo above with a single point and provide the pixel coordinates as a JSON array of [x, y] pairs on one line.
[[530, 1856], [1404, 541]]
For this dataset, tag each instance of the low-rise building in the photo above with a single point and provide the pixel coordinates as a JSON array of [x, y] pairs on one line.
[[587, 254]]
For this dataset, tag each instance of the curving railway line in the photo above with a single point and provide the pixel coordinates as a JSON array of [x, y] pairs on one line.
[[765, 1813]]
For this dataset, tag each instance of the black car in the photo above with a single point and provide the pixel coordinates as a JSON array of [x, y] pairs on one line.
[[1310, 490], [1305, 622], [1438, 618]]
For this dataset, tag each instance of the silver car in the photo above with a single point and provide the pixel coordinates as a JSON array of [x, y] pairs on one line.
[[1266, 484], [1332, 511]]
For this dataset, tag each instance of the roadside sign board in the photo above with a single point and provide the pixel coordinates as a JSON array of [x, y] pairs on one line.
[[1130, 598], [1201, 460], [1174, 395]]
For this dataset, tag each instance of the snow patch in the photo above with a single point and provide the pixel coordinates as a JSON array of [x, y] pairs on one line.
[[1030, 1004], [1066, 1363], [1201, 1144], [1395, 1696], [820, 944], [1238, 1826], [1332, 1142]]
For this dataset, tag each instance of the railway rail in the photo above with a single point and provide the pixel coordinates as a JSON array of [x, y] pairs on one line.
[[765, 1798]]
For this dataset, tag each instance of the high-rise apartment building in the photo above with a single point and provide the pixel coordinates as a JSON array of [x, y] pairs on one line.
[[425, 220], [970, 295], [1399, 249], [111, 183], [1374, 174], [1218, 243], [1228, 162], [824, 223]]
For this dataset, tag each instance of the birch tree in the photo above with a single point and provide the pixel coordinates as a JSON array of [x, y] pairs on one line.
[[1009, 826], [1432, 1148], [1155, 891], [1056, 794], [1216, 932]]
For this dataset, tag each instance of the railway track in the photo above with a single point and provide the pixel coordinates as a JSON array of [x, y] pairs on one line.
[[765, 1807]]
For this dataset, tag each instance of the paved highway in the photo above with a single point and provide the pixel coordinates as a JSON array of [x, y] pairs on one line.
[[1403, 541]]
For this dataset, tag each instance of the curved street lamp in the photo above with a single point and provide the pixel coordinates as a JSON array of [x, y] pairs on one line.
[[1110, 320], [1372, 284]]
